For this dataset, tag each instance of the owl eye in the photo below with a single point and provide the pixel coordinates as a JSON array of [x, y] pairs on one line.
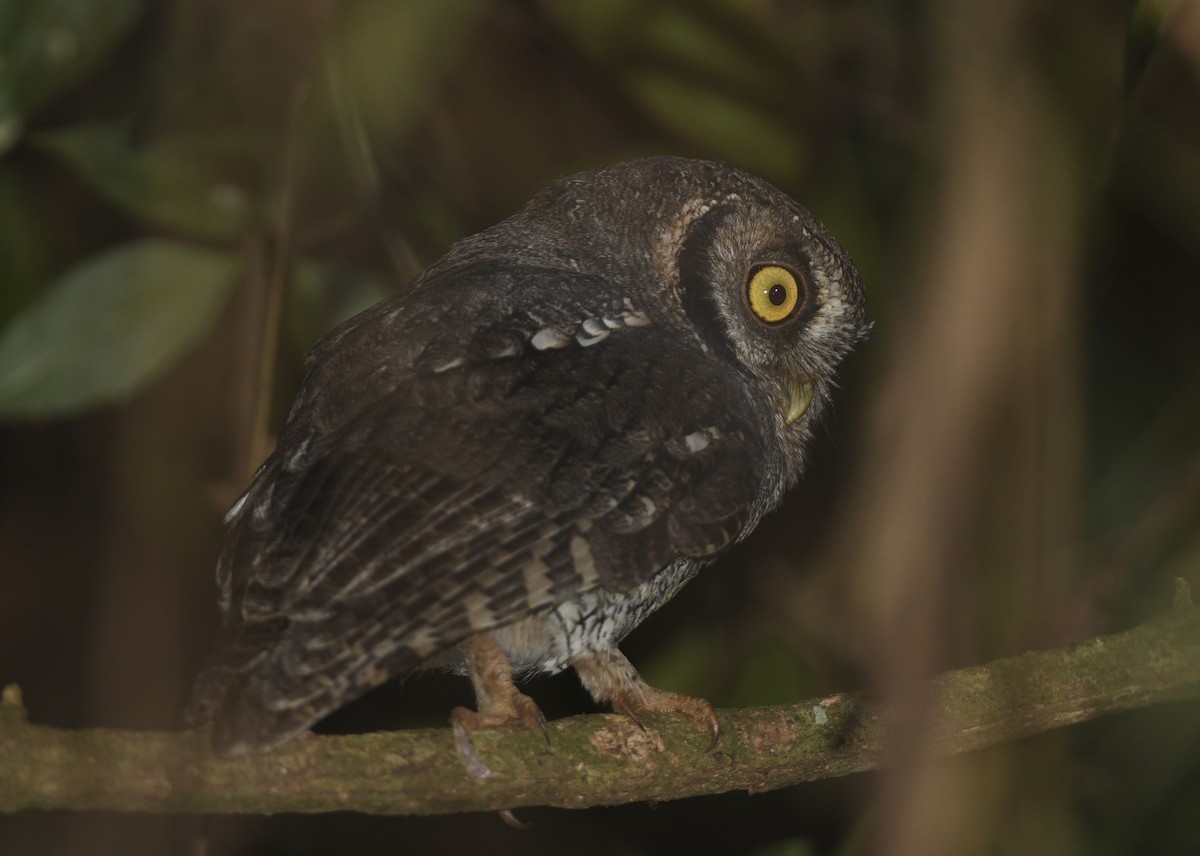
[[774, 293]]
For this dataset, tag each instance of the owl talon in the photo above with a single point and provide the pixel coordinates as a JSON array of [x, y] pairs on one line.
[[463, 722], [526, 712], [621, 705], [610, 677], [511, 819], [668, 702]]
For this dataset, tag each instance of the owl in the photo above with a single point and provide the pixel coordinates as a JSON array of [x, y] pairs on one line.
[[506, 468]]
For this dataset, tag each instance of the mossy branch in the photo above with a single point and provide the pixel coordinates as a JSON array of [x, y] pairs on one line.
[[592, 760]]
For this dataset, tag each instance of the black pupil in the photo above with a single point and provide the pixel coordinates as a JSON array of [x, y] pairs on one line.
[[777, 295]]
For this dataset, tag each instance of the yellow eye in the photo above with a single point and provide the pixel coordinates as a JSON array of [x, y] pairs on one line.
[[773, 293]]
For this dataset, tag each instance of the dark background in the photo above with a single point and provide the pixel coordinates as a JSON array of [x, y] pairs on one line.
[[1013, 463]]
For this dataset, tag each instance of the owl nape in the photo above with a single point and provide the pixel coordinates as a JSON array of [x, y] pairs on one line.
[[508, 466]]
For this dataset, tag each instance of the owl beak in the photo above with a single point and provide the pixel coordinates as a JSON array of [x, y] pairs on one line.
[[799, 396]]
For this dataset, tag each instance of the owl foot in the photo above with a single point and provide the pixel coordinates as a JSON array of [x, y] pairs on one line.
[[499, 702], [463, 721], [661, 701], [610, 677]]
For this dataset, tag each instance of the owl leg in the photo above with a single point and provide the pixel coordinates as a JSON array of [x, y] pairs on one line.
[[497, 698], [610, 677]]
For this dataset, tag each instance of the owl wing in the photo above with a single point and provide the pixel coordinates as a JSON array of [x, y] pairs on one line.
[[453, 482]]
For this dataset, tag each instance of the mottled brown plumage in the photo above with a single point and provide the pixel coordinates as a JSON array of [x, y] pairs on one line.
[[532, 448]]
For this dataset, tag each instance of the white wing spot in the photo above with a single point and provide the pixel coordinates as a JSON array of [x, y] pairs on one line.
[[507, 349], [591, 340], [633, 317], [697, 442], [549, 337], [445, 367]]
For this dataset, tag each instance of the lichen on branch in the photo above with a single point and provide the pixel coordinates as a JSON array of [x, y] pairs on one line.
[[592, 760]]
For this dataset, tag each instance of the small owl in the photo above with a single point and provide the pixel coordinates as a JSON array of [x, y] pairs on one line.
[[506, 468]]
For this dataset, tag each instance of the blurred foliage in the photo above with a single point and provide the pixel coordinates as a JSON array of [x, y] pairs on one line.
[[111, 325], [50, 46], [164, 166], [180, 185]]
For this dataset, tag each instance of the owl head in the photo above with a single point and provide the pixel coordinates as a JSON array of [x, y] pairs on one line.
[[709, 252]]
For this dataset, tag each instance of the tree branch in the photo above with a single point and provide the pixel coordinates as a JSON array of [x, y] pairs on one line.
[[597, 759]]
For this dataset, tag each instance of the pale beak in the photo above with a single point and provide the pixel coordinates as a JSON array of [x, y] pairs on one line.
[[799, 396]]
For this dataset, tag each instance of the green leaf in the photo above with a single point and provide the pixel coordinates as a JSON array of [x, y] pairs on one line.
[[48, 46], [110, 326], [183, 184]]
